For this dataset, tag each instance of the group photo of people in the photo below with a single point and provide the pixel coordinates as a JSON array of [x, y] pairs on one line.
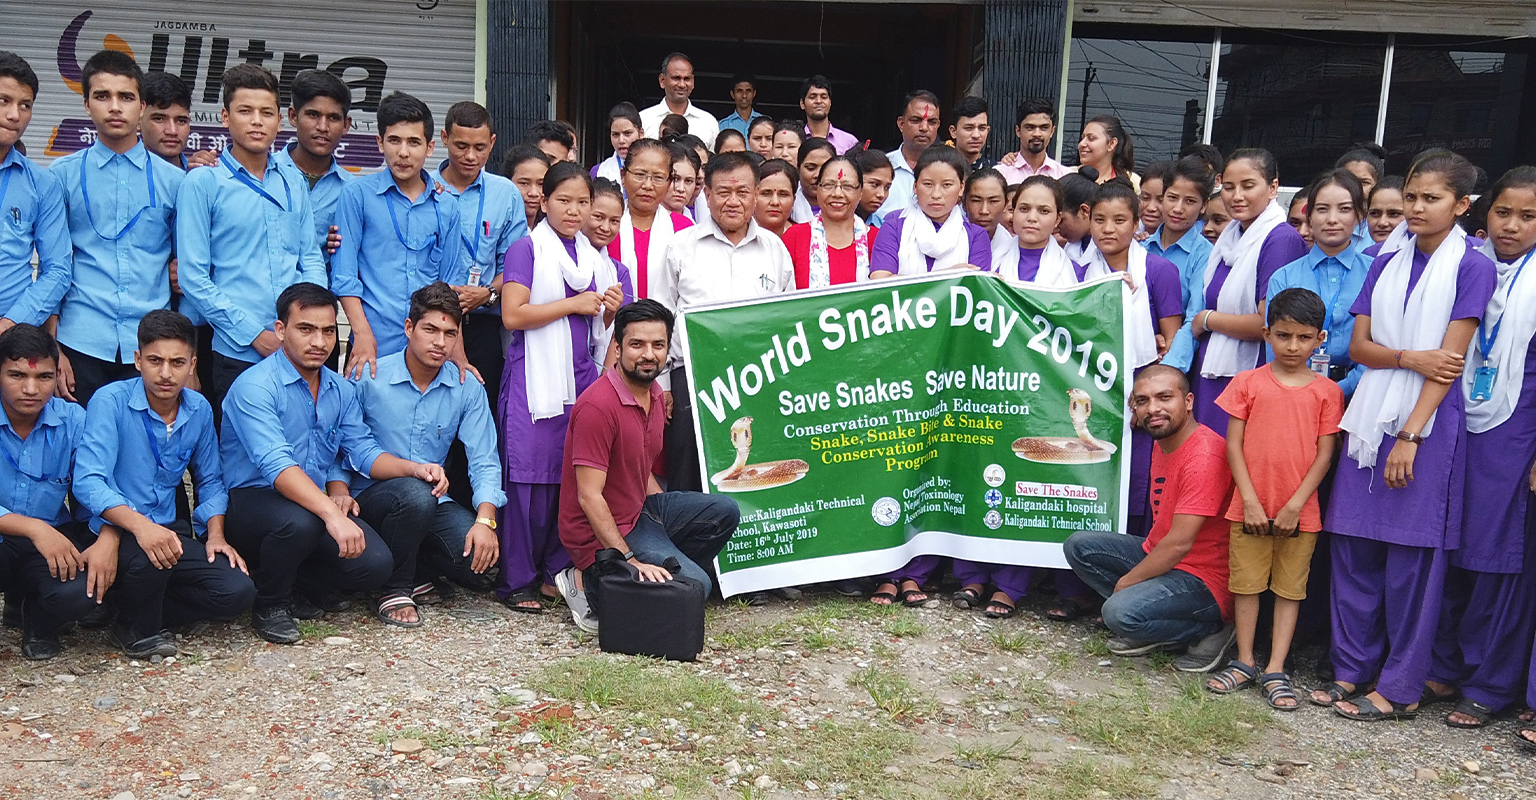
[[253, 385]]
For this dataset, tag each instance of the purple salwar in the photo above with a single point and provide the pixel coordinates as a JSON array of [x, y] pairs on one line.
[[1386, 608]]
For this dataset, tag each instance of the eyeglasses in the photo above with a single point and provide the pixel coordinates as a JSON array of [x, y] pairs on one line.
[[650, 178], [846, 188]]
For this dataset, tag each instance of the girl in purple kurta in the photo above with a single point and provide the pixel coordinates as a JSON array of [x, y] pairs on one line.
[[559, 296], [1228, 326], [1489, 608], [1396, 506]]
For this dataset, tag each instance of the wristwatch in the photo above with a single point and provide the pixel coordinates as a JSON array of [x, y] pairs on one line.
[[494, 298], [628, 554], [489, 522], [1411, 438]]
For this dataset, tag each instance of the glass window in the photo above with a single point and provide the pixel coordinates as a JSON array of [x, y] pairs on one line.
[[1156, 87], [1305, 99], [1466, 98]]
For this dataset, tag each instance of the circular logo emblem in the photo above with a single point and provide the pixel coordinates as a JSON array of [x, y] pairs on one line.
[[993, 519], [886, 511], [994, 475], [993, 497]]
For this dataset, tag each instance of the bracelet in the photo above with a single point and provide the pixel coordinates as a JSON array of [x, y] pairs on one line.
[[1411, 438], [1205, 322], [629, 554], [1399, 359]]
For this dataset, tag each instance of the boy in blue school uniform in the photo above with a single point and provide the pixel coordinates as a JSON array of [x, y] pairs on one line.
[[290, 425], [141, 435], [321, 113], [59, 572], [416, 407], [245, 231], [121, 202], [397, 235], [31, 210]]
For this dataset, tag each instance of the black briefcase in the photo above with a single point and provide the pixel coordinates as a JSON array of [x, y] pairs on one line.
[[647, 618]]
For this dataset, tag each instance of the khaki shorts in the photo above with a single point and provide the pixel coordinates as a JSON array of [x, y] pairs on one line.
[[1280, 564]]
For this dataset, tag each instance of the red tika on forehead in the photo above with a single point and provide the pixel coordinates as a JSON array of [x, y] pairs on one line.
[[839, 173], [32, 363]]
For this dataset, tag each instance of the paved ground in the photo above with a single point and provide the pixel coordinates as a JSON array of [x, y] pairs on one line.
[[817, 698]]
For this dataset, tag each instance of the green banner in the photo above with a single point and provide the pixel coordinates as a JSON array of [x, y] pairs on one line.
[[955, 414]]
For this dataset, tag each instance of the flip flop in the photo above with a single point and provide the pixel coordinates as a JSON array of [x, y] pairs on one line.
[[908, 594], [890, 597], [392, 602], [523, 596], [1336, 692], [1366, 711], [1011, 609]]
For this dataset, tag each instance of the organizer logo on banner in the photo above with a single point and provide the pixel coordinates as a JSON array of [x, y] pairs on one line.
[[364, 43]]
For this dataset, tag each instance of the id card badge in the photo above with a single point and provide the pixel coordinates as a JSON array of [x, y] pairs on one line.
[[1482, 382], [474, 275], [1318, 362]]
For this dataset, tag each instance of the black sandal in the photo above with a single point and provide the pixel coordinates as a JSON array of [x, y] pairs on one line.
[[1276, 687], [966, 599], [1336, 693], [1471, 708], [907, 595], [523, 596], [393, 602], [1431, 697], [889, 597], [1009, 609], [1069, 609], [1235, 678], [1366, 711], [1526, 744]]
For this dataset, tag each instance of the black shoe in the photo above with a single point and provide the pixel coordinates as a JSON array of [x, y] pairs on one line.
[[100, 617], [148, 647], [331, 602], [12, 617], [301, 608], [36, 645], [275, 624]]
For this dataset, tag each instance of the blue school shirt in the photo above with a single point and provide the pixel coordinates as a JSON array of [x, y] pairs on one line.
[[31, 218], [1190, 254], [491, 218], [1337, 280], [736, 123], [35, 472], [323, 196], [419, 426], [272, 423], [390, 247], [129, 458], [238, 248], [122, 245]]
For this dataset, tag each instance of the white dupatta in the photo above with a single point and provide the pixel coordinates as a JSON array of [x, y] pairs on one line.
[[547, 356], [1140, 334], [1240, 250]]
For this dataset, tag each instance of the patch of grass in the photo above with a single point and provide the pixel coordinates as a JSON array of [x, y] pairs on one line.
[[645, 687], [1014, 641], [987, 755], [892, 693], [1161, 661], [856, 755], [750, 636], [904, 627], [1194, 722], [555, 731], [1078, 777], [1097, 645], [1061, 659], [827, 612], [821, 640], [311, 629]]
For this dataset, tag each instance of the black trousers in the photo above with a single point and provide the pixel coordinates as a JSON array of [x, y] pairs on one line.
[[49, 603], [285, 545], [221, 374], [92, 373], [482, 346], [677, 443]]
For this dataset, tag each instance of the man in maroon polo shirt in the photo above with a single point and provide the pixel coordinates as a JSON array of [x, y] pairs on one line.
[[609, 497]]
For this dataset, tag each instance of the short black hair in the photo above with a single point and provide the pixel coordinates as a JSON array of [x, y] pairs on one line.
[[111, 62], [726, 134], [1475, 221], [400, 107], [778, 166], [165, 89], [163, 323], [435, 296], [815, 82], [1207, 153], [743, 77], [794, 126], [247, 76], [624, 110], [1301, 306], [645, 310], [1371, 154], [1032, 106], [812, 145], [15, 67], [921, 94], [548, 130], [942, 154], [1117, 189], [27, 342], [1343, 179], [561, 172], [1153, 370], [674, 56], [468, 114], [968, 106], [304, 295], [726, 162], [312, 83], [520, 154]]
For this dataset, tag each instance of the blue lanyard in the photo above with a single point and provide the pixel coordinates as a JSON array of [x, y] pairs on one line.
[[437, 213], [154, 439], [1485, 337], [253, 185], [47, 448], [473, 241], [85, 192]]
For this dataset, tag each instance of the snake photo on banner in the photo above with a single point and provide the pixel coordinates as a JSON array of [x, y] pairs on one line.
[[957, 414]]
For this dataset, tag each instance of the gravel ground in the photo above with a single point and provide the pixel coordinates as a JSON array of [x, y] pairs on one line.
[[816, 698]]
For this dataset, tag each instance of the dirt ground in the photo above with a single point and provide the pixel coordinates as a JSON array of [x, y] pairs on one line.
[[818, 698]]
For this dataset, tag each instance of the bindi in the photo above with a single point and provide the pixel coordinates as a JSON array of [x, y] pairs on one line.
[[32, 363]]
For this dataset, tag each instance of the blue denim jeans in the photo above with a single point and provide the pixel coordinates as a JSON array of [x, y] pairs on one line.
[[691, 527], [1173, 607]]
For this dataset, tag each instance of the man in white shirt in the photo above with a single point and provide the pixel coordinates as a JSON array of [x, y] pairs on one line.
[[730, 259], [919, 126], [676, 86]]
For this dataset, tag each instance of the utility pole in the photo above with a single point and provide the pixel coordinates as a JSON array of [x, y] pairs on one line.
[[1082, 117]]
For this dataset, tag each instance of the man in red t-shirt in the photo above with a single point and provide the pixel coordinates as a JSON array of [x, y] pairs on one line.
[[1170, 589], [609, 497]]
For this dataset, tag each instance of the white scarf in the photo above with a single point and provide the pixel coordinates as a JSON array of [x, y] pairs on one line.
[[1385, 398], [1240, 250], [1080, 252], [1513, 302], [1005, 249], [612, 169], [948, 246], [1055, 267], [802, 211], [547, 357], [1140, 335], [820, 261], [661, 235]]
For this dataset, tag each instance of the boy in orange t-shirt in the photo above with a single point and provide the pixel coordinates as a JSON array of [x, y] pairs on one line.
[[1280, 444]]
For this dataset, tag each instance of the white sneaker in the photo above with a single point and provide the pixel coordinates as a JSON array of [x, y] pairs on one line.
[[576, 600]]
